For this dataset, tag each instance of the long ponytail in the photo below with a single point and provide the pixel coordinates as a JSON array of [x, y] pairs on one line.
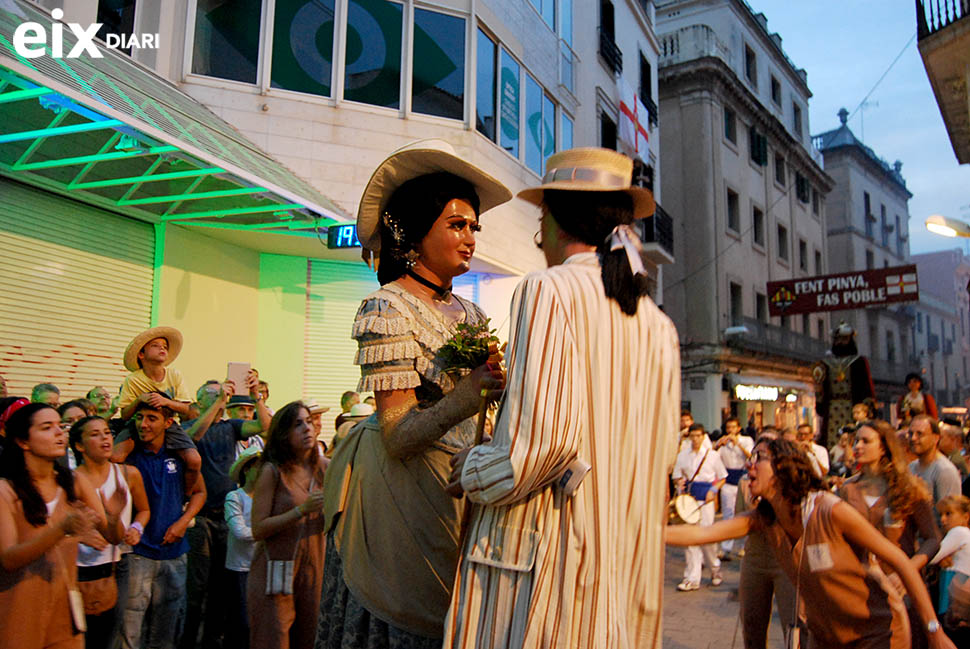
[[590, 217]]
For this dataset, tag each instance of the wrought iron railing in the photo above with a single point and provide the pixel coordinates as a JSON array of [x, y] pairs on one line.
[[610, 52], [778, 341], [934, 15], [659, 229], [653, 112]]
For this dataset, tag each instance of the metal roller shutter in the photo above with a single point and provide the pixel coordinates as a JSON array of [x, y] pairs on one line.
[[334, 293], [76, 287]]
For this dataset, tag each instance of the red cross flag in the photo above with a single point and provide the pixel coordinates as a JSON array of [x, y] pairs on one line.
[[899, 284], [633, 122]]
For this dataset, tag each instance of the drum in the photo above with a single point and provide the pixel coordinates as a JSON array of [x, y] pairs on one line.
[[684, 509]]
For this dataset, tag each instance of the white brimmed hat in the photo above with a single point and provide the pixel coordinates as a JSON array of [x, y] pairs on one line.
[[315, 407], [592, 169], [171, 334], [411, 161], [360, 411]]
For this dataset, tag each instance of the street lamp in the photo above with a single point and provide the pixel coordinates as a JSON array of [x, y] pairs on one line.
[[947, 227]]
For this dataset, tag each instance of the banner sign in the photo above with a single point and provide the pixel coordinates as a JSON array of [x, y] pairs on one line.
[[855, 290]]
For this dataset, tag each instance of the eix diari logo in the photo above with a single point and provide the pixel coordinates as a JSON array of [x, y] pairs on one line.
[[33, 34]]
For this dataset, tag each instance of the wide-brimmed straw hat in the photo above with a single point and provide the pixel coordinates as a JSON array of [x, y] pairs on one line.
[[250, 453], [171, 334], [411, 161], [315, 407], [592, 169], [360, 411]]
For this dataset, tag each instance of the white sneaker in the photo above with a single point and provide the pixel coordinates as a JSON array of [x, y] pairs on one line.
[[685, 586], [716, 579]]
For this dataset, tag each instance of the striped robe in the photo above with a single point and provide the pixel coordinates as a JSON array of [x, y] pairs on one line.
[[540, 569]]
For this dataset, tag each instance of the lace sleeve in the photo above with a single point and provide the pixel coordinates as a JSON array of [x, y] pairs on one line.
[[387, 351]]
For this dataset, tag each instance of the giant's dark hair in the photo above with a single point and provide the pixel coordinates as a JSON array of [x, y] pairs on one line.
[[415, 206], [794, 474], [278, 449], [590, 217], [13, 466]]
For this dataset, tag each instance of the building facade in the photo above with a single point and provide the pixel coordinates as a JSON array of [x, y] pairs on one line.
[[232, 145], [868, 227], [740, 174], [941, 328]]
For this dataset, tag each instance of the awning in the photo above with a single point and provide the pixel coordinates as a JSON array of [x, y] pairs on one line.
[[111, 133]]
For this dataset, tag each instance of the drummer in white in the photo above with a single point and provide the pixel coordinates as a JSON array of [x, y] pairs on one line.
[[700, 472], [734, 449]]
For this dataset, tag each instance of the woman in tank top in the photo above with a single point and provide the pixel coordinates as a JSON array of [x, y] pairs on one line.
[[44, 509], [120, 487], [823, 545]]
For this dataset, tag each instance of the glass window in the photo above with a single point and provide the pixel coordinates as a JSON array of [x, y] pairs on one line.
[[566, 18], [509, 109], [117, 17], [226, 43], [783, 242], [485, 99], [533, 125], [548, 129], [733, 217], [303, 46], [373, 52], [438, 86], [548, 10], [758, 226], [567, 133], [730, 125]]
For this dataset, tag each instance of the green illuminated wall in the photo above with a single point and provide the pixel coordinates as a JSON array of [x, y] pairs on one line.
[[281, 324]]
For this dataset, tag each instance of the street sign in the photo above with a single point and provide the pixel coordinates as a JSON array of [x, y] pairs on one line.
[[855, 290]]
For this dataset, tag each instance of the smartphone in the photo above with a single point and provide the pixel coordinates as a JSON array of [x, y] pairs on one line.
[[237, 373]]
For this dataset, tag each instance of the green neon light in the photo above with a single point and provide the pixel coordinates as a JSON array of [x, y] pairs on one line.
[[114, 182], [231, 212], [245, 227], [159, 261], [98, 157], [19, 95], [242, 191], [60, 130]]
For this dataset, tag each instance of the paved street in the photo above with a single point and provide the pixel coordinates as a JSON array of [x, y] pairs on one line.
[[705, 618]]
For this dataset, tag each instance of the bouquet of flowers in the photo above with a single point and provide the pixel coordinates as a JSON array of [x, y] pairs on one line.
[[468, 348]]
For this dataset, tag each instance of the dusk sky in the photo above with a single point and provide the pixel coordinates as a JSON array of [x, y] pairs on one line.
[[846, 46]]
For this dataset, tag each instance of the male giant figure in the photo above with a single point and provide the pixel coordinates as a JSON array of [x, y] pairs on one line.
[[594, 380]]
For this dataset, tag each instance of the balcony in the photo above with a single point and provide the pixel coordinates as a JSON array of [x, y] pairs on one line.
[[771, 339], [943, 28], [689, 43], [657, 234], [610, 52]]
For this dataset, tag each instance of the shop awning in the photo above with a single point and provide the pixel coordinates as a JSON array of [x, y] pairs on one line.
[[110, 132]]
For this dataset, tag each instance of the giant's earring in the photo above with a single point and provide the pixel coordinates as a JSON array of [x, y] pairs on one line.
[[397, 232]]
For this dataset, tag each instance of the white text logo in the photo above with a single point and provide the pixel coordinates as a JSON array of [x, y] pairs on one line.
[[30, 39]]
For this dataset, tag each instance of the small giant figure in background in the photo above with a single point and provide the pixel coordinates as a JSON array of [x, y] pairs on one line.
[[842, 378]]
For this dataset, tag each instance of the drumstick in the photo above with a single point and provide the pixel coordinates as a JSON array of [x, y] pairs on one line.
[[482, 415]]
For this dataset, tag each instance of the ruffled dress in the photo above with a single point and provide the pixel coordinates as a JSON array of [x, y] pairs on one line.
[[393, 530]]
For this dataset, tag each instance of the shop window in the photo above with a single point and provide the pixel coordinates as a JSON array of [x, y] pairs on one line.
[[438, 83], [226, 42], [373, 52], [730, 125], [509, 104], [116, 17], [303, 46], [485, 78]]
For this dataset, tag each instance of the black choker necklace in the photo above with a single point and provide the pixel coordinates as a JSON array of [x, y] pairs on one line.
[[441, 292]]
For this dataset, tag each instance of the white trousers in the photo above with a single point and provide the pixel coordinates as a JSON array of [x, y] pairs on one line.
[[697, 555], [729, 497]]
